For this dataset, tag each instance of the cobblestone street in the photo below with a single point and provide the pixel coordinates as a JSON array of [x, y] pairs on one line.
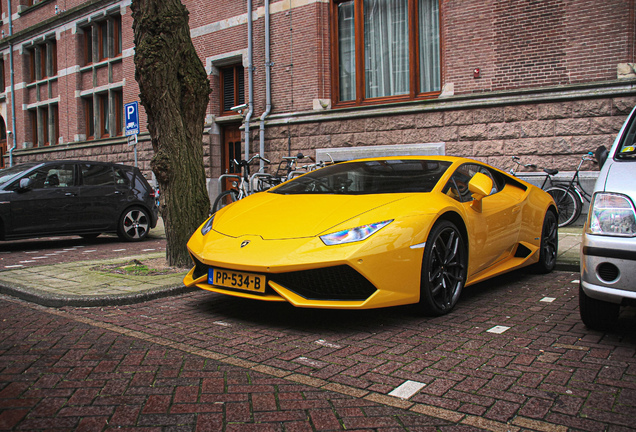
[[513, 355]]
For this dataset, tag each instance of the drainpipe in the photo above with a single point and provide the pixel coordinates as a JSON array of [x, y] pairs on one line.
[[250, 74], [268, 84], [13, 145]]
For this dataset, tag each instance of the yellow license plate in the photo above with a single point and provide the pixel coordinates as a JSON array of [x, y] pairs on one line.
[[238, 280]]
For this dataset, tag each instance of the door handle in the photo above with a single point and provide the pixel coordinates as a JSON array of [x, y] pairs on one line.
[[68, 194]]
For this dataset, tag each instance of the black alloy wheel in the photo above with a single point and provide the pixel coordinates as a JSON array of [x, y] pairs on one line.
[[444, 269], [549, 244], [134, 224]]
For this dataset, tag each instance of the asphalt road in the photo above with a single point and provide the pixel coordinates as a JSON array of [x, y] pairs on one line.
[[513, 355]]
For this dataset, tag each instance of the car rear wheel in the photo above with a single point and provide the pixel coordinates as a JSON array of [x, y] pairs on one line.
[[597, 314], [549, 244], [134, 224], [443, 269]]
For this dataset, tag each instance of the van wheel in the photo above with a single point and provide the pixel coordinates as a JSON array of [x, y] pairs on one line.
[[597, 314]]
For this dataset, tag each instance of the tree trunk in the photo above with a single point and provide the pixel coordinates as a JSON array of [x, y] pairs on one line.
[[174, 90]]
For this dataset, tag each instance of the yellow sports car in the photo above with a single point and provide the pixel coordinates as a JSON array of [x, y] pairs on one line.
[[375, 233]]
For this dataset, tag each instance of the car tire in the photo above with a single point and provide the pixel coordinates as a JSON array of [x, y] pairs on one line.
[[597, 314], [444, 269], [549, 246], [134, 224], [224, 198]]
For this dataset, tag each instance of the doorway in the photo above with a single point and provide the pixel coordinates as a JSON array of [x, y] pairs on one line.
[[231, 151]]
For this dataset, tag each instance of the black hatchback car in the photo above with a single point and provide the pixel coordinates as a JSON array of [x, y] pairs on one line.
[[75, 198]]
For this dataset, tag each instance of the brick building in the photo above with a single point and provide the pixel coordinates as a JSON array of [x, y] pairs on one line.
[[547, 80]]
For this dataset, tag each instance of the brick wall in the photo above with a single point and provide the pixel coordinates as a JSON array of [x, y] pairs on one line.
[[528, 45]]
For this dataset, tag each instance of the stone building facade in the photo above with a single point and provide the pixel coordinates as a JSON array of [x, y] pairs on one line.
[[488, 79]]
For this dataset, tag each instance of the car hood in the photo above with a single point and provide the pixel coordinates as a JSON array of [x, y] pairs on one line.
[[274, 216], [619, 178]]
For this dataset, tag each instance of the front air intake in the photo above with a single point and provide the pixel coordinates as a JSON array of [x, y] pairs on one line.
[[607, 272], [330, 283]]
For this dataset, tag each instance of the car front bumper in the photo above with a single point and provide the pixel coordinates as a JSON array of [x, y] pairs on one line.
[[608, 268], [382, 276]]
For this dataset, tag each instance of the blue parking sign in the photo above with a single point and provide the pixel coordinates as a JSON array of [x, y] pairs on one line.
[[131, 112]]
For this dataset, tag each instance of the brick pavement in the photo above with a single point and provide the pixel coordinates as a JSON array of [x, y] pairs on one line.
[[59, 373], [514, 355]]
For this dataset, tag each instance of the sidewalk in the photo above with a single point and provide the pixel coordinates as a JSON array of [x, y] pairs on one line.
[[80, 284]]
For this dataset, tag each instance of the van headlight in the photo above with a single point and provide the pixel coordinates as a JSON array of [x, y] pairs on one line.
[[612, 214]]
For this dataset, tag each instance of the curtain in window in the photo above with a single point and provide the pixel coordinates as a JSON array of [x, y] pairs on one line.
[[429, 46], [386, 47], [347, 51]]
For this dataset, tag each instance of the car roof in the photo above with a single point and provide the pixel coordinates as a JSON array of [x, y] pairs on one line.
[[76, 161]]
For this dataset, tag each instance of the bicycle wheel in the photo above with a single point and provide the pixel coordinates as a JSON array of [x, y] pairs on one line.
[[224, 198], [568, 204]]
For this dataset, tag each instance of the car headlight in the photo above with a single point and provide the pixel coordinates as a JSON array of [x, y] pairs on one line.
[[353, 234], [612, 214], [207, 226]]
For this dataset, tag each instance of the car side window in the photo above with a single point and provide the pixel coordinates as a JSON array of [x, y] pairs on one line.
[[457, 186], [97, 175], [52, 176], [120, 177]]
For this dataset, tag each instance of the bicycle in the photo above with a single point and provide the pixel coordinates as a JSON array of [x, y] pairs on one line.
[[287, 168], [242, 185], [568, 195]]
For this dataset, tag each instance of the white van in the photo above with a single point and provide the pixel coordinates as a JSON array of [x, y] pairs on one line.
[[608, 249]]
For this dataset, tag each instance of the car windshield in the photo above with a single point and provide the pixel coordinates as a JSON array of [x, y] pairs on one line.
[[8, 173], [627, 148], [369, 177]]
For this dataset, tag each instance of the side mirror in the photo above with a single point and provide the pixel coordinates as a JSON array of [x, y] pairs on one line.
[[601, 155], [480, 186], [26, 184]]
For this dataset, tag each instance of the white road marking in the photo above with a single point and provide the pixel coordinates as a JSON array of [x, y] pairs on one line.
[[407, 389]]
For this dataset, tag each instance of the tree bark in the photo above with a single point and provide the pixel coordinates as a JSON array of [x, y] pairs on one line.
[[174, 90]]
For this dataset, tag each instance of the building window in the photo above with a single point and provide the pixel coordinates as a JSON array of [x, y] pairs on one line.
[[386, 50], [45, 125], [55, 123], [104, 115], [118, 104], [33, 117], [102, 39], [3, 83], [89, 113], [42, 60], [102, 28], [116, 35], [88, 45], [233, 88]]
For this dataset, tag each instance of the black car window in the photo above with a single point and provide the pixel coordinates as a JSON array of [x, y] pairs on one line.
[[457, 186], [369, 177], [8, 173], [120, 177], [97, 175], [52, 176]]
